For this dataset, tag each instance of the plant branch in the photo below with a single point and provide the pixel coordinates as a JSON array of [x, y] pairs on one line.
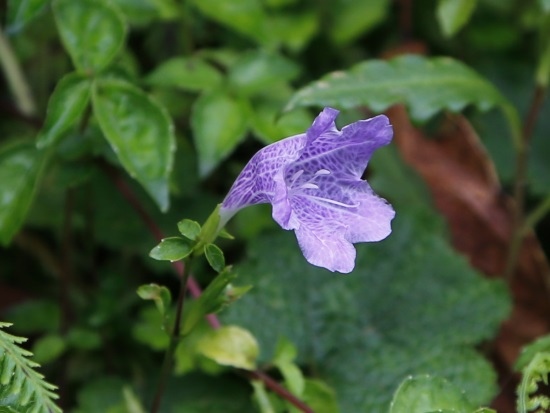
[[174, 340], [520, 180]]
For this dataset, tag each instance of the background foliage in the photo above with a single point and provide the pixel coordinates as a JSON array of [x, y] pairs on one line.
[[118, 118]]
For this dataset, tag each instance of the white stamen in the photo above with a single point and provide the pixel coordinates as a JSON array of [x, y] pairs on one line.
[[296, 176], [309, 186], [331, 201], [322, 172]]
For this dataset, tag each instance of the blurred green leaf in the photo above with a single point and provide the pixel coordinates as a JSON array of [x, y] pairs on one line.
[[320, 397], [93, 32], [214, 256], [409, 295], [454, 14], [65, 107], [131, 400], [103, 394], [48, 348], [230, 346], [35, 316], [140, 132], [244, 16], [421, 394], [171, 249], [294, 29], [285, 353], [84, 339], [269, 125], [541, 344], [261, 397], [185, 73], [219, 123], [426, 85], [20, 12], [159, 294], [150, 329], [20, 170], [189, 229], [545, 4], [351, 18], [259, 69]]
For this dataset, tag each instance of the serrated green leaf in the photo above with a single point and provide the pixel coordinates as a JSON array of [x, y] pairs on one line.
[[93, 32], [140, 132], [259, 69], [355, 17], [65, 107], [159, 294], [454, 14], [214, 256], [412, 305], [185, 73], [171, 249], [426, 85], [421, 394], [189, 229], [244, 16], [20, 170], [219, 123], [230, 346], [20, 12]]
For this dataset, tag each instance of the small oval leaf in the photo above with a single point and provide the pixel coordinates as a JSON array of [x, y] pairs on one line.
[[140, 132], [171, 249], [454, 14], [230, 346], [20, 169], [189, 229], [214, 256], [65, 107], [93, 32]]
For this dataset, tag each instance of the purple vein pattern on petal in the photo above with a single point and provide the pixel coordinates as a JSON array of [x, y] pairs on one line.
[[314, 183]]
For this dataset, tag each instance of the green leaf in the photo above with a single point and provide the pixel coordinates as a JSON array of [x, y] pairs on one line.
[[19, 378], [65, 107], [545, 5], [84, 339], [214, 256], [171, 249], [20, 12], [540, 345], [48, 348], [421, 394], [159, 294], [454, 14], [258, 70], [285, 354], [355, 17], [214, 298], [269, 125], [186, 73], [244, 16], [219, 123], [320, 397], [230, 346], [20, 170], [36, 316], [93, 32], [189, 229], [150, 329], [261, 397], [427, 86], [140, 132], [412, 306]]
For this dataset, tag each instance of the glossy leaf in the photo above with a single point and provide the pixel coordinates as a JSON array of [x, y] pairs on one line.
[[20, 169], [421, 394], [20, 12], [427, 86], [140, 132], [219, 123], [185, 73], [454, 14], [171, 249], [230, 346], [258, 70], [93, 32], [65, 107], [189, 229], [214, 256], [244, 16], [355, 17]]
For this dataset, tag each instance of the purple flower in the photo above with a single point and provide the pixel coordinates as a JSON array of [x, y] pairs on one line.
[[313, 181]]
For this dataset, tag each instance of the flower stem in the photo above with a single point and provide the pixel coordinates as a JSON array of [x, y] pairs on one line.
[[174, 340], [522, 158]]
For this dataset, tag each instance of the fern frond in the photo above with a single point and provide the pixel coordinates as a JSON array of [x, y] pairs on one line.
[[534, 374], [22, 388]]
